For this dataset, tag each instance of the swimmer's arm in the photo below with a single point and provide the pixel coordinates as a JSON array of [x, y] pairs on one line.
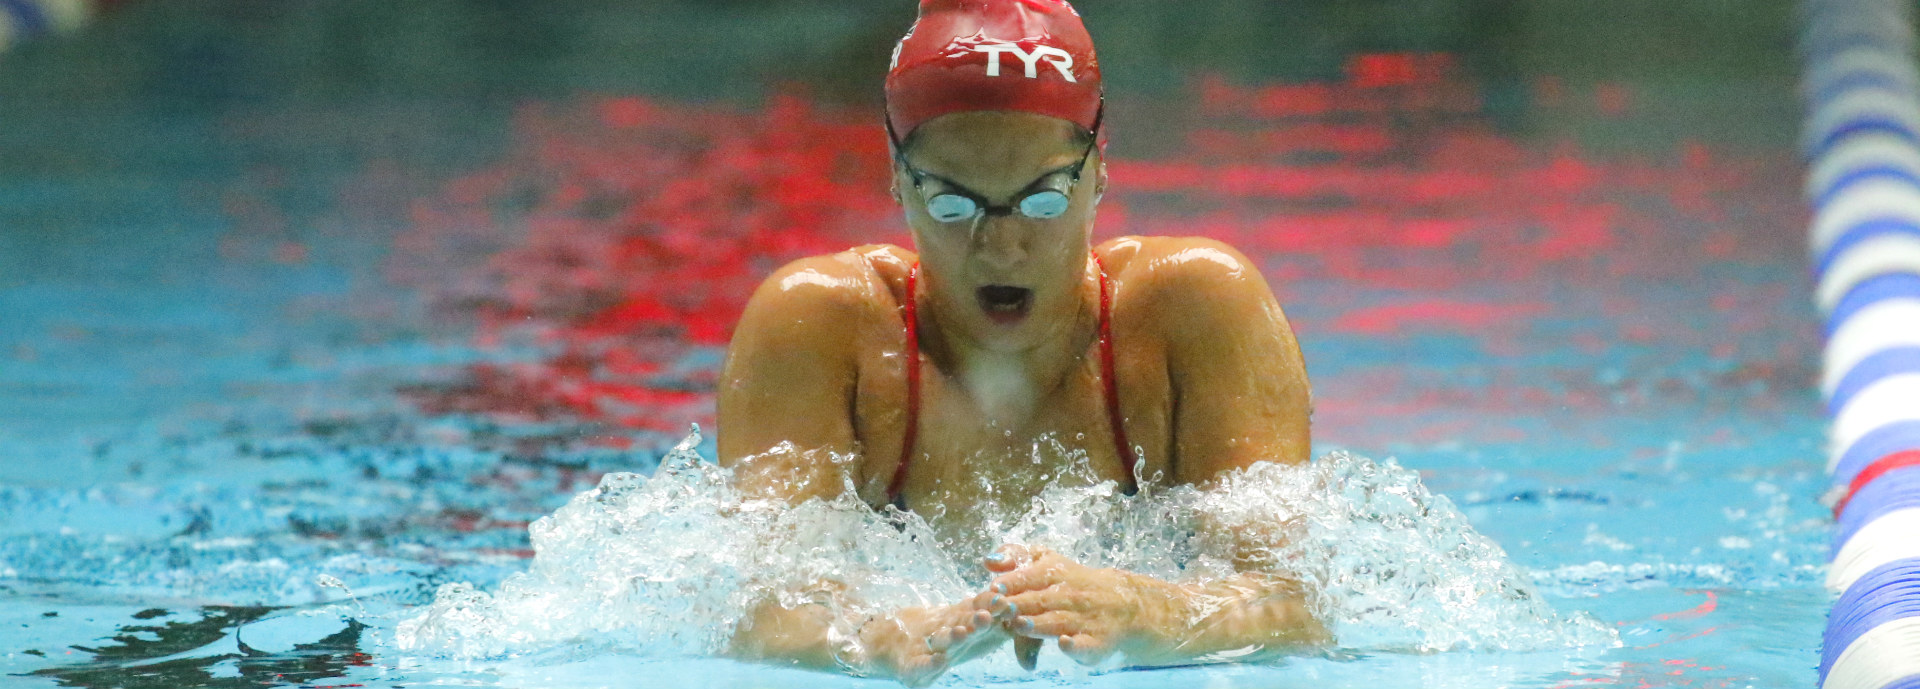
[[1239, 384], [786, 389], [1238, 618], [1242, 397], [913, 645], [784, 372], [798, 636]]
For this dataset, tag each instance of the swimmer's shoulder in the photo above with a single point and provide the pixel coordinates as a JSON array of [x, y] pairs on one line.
[[809, 335], [819, 299], [1230, 356], [1177, 275], [888, 266]]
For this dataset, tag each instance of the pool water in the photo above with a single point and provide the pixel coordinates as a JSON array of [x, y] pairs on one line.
[[311, 311]]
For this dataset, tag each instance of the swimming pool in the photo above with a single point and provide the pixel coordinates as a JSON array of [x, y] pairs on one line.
[[298, 327]]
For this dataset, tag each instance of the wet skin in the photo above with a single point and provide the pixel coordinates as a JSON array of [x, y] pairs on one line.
[[1209, 374]]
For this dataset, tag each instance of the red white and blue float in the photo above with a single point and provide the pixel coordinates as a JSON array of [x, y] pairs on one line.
[[1863, 150]]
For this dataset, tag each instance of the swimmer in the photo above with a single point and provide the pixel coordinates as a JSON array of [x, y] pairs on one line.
[[1144, 360]]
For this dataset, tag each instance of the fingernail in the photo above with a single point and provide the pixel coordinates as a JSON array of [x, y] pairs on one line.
[[1000, 587], [996, 599], [1024, 624], [997, 558], [1013, 609]]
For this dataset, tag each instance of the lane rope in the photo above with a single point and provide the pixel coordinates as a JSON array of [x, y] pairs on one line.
[[1861, 138]]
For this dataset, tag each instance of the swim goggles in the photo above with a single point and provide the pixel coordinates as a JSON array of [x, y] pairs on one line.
[[1036, 201]]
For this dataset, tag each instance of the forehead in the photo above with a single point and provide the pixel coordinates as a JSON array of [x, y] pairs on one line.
[[994, 152]]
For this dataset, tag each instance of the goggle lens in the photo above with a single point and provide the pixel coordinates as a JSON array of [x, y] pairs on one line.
[[951, 207], [1040, 205], [1044, 205]]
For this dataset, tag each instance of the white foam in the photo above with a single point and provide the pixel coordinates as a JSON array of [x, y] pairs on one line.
[[668, 564]]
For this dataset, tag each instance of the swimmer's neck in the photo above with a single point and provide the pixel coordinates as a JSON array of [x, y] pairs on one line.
[[1008, 386]]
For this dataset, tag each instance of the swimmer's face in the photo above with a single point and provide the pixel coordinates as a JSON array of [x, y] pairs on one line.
[[1004, 280]]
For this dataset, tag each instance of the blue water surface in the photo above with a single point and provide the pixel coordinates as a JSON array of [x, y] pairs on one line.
[[210, 475]]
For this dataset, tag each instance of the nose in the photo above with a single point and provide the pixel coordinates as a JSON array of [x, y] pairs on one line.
[[1000, 242]]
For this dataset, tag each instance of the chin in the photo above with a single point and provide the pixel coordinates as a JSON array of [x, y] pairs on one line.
[[1017, 334]]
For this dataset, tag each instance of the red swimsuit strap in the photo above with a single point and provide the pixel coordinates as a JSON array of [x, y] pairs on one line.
[[1107, 377], [1127, 458], [913, 389]]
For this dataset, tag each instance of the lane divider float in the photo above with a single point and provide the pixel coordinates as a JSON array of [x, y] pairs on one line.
[[1862, 143]]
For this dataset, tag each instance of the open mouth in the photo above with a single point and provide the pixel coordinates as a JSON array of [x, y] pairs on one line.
[[1005, 304]]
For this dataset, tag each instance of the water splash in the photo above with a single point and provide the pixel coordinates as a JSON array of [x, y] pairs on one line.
[[1392, 566], [668, 564]]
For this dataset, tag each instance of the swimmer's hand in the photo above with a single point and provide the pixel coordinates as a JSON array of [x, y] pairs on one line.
[[912, 645], [1093, 613], [1096, 613], [917, 645]]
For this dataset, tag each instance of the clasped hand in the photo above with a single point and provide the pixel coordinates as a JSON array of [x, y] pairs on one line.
[[1037, 594]]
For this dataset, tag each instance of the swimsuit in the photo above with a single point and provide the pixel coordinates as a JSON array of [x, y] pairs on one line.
[[1112, 390]]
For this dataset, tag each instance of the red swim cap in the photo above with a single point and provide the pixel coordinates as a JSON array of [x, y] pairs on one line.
[[966, 55]]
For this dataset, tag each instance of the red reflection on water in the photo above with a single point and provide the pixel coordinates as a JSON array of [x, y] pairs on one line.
[[623, 234], [1702, 610], [1464, 317], [1376, 70]]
